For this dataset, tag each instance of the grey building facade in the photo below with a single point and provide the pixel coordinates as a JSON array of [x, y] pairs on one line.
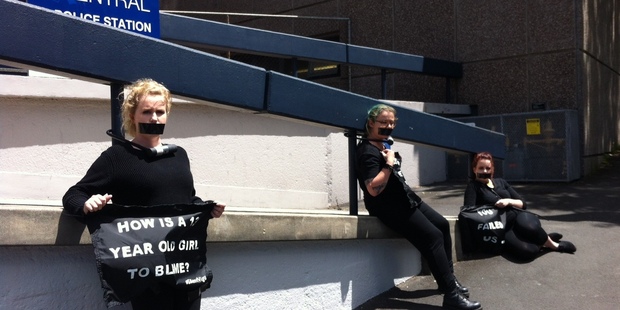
[[518, 56]]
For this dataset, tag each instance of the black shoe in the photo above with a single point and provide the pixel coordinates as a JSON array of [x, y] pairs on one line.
[[556, 237], [461, 289], [457, 301], [566, 247]]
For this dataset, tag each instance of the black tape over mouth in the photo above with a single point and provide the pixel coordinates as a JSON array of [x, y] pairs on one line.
[[151, 128], [385, 131], [483, 175]]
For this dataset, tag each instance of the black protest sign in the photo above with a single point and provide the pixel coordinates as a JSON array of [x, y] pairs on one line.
[[158, 247], [482, 229]]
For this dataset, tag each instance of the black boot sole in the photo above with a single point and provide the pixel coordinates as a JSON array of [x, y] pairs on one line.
[[458, 308]]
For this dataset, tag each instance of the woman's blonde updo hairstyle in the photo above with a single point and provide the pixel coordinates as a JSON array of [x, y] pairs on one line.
[[134, 93]]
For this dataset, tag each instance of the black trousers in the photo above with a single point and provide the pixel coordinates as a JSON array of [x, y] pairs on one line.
[[429, 232], [524, 234]]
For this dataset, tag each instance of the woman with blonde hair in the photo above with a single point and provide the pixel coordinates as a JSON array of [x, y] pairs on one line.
[[132, 177]]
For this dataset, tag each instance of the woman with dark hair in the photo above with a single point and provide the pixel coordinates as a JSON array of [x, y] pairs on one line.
[[524, 236], [388, 197]]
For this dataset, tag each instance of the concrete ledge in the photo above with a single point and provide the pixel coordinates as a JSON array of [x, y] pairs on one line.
[[324, 264], [48, 225]]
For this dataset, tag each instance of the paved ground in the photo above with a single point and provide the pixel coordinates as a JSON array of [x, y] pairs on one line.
[[586, 211]]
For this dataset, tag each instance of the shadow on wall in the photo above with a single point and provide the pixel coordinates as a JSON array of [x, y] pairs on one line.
[[79, 122], [70, 230], [50, 277]]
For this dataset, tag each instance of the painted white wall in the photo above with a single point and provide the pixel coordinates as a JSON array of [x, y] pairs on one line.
[[261, 275], [52, 129]]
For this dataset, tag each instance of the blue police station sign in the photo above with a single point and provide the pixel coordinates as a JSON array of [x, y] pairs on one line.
[[140, 16]]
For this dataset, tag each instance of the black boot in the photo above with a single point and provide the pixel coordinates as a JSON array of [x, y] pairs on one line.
[[459, 287], [462, 290], [456, 301]]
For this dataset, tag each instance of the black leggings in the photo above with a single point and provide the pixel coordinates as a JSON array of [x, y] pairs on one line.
[[524, 235], [429, 232]]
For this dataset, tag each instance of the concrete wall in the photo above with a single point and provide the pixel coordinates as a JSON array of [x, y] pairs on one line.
[[560, 54], [517, 54], [245, 159], [52, 130], [259, 275], [600, 88], [261, 260]]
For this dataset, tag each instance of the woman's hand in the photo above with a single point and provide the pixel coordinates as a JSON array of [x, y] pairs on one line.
[[507, 202], [389, 156], [218, 209], [96, 203]]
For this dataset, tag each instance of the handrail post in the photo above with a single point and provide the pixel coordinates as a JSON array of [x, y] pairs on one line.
[[116, 100], [353, 203], [295, 66]]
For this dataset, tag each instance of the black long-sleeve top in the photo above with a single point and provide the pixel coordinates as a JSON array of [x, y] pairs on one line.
[[395, 199], [132, 178], [478, 194]]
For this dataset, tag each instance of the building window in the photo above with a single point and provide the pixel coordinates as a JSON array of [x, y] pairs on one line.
[[309, 70]]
